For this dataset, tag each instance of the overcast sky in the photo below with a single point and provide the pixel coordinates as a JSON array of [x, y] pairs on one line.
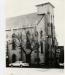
[[20, 7]]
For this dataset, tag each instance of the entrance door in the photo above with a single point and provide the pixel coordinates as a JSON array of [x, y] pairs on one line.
[[13, 58], [28, 58]]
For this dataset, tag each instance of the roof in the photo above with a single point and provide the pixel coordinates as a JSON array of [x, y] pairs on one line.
[[45, 4], [23, 21]]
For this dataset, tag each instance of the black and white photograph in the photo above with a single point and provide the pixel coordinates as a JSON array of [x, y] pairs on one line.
[[31, 37]]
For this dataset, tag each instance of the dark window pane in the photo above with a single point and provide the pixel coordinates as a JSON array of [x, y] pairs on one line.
[[41, 47], [13, 45], [41, 33], [28, 44], [13, 58]]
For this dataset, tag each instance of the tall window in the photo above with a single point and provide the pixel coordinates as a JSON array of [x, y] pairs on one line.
[[41, 43], [13, 42], [28, 44], [49, 30], [13, 45], [41, 33], [51, 18], [36, 33], [13, 35], [36, 36], [41, 46]]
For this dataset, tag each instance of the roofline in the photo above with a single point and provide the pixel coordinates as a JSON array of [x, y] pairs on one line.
[[45, 4], [19, 28], [7, 18]]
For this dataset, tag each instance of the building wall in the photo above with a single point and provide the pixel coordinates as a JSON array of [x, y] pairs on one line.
[[41, 26], [46, 29], [44, 7]]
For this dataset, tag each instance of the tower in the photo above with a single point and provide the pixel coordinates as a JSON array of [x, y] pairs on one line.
[[48, 10]]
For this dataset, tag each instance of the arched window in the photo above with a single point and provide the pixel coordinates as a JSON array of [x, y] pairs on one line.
[[13, 44], [27, 34], [49, 29], [51, 19], [41, 46], [28, 44], [36, 34], [13, 41], [41, 34], [13, 35]]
